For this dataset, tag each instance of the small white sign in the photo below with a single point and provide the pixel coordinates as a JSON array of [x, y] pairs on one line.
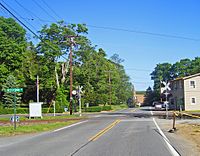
[[74, 92], [35, 109]]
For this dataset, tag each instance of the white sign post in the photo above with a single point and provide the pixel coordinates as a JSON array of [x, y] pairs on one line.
[[166, 88], [79, 98], [35, 109]]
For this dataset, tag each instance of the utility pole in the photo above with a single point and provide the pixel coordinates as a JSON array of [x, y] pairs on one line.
[[37, 86], [110, 87], [72, 43]]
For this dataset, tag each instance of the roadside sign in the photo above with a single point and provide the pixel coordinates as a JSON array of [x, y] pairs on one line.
[[166, 86], [13, 90], [74, 92], [14, 118]]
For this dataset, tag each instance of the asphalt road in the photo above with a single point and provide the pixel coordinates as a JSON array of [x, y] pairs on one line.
[[131, 132]]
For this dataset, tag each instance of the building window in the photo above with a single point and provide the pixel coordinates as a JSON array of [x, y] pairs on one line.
[[192, 84], [193, 100]]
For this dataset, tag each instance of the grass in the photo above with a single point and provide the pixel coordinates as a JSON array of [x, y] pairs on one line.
[[119, 107], [35, 128], [23, 118]]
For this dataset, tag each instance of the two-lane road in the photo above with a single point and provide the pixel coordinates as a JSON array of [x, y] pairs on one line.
[[131, 132]]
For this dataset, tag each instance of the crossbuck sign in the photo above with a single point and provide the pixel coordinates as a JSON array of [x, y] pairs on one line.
[[166, 87]]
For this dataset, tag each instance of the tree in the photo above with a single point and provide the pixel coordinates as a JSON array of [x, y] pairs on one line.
[[150, 97], [12, 48], [8, 98], [181, 68], [160, 73]]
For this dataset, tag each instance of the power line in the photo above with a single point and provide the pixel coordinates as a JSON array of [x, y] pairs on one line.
[[145, 33], [44, 10], [3, 6], [51, 9], [15, 13], [28, 11], [19, 20], [133, 31]]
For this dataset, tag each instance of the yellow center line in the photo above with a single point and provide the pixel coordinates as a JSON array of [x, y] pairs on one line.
[[98, 135]]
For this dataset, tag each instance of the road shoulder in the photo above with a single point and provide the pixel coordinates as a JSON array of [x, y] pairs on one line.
[[184, 146]]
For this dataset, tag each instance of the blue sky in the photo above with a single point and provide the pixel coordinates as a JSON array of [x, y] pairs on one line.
[[140, 51]]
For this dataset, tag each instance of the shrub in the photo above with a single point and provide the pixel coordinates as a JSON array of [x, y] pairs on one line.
[[93, 109], [106, 108], [22, 110], [45, 110], [11, 110]]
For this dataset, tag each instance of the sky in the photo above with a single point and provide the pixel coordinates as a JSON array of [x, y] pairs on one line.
[[140, 51]]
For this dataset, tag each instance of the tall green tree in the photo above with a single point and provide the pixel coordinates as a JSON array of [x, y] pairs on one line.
[[12, 48], [161, 73]]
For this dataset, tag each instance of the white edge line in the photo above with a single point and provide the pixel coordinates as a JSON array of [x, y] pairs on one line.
[[172, 150], [151, 112], [70, 126]]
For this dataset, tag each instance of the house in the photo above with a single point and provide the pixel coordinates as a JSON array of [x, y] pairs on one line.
[[186, 92]]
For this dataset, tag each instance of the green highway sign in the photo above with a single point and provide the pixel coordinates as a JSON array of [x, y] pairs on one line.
[[11, 90]]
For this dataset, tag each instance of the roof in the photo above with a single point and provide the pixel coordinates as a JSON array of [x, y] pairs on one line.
[[187, 77]]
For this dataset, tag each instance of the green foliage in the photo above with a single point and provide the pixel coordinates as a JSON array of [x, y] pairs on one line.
[[90, 65], [119, 107], [8, 98], [51, 110], [106, 108], [61, 100], [11, 111], [167, 72], [12, 48], [93, 109], [32, 128], [150, 97]]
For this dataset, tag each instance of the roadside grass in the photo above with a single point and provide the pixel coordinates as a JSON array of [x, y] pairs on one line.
[[35, 128], [119, 107], [190, 132], [23, 118]]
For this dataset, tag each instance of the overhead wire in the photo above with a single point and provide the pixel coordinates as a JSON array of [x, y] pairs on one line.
[[105, 27], [29, 29], [129, 30], [29, 12], [41, 39], [48, 6], [15, 13], [144, 32], [44, 10]]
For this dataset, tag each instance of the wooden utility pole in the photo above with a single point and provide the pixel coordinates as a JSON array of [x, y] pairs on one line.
[[110, 87], [72, 43]]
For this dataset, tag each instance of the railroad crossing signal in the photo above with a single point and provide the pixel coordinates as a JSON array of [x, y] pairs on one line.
[[166, 86]]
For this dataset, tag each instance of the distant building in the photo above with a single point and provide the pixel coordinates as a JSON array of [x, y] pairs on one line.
[[139, 97], [186, 92]]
